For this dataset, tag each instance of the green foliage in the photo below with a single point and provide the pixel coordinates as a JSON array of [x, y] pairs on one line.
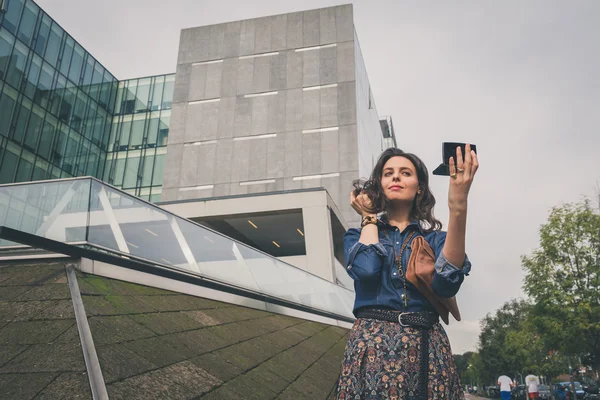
[[563, 280]]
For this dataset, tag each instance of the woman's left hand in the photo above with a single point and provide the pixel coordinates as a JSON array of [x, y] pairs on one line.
[[462, 173]]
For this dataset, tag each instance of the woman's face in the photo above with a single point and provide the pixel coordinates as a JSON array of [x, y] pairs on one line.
[[399, 180]]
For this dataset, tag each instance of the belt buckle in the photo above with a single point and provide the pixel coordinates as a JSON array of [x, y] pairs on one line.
[[400, 319]]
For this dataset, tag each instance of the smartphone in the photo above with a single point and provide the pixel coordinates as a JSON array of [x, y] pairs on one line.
[[449, 150]]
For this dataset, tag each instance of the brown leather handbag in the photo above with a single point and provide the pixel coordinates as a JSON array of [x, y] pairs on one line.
[[420, 272]]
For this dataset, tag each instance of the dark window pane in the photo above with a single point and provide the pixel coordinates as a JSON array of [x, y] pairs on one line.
[[79, 111], [12, 16], [59, 146], [6, 45], [82, 158], [17, 65], [9, 163], [44, 86], [33, 76], [57, 94], [28, 20], [71, 153], [76, 64], [40, 170], [33, 129], [89, 71], [96, 81], [7, 105], [47, 137], [56, 34], [67, 106], [25, 169], [42, 37], [22, 118], [66, 56], [89, 120]]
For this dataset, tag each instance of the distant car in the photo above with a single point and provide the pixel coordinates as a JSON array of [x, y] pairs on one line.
[[519, 393], [493, 391], [544, 392], [562, 388]]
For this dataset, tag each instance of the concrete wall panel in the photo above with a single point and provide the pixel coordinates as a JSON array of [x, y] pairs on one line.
[[216, 47], [311, 154], [311, 109], [229, 77], [295, 30], [328, 107], [262, 42], [226, 118], [243, 117], [312, 26], [247, 37], [232, 39], [327, 27], [278, 32]]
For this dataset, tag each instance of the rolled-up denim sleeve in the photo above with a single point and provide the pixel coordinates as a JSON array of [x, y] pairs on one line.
[[447, 277], [362, 261]]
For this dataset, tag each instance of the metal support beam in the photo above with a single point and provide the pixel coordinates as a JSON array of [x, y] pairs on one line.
[[92, 364], [183, 244], [112, 221]]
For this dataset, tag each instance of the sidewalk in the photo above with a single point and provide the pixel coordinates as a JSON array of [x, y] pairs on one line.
[[471, 397]]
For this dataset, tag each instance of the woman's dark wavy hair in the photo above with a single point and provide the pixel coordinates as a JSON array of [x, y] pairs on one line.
[[422, 208]]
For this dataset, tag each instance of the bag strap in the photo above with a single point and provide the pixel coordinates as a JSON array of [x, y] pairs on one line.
[[398, 260]]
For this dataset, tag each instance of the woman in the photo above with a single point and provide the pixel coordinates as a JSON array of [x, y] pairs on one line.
[[397, 349]]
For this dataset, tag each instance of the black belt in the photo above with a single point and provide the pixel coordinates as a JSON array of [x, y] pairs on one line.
[[420, 320]]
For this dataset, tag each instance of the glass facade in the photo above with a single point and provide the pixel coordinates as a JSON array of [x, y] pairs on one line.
[[56, 100], [138, 139]]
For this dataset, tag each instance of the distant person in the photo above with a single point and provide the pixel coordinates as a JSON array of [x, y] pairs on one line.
[[505, 384], [397, 348], [532, 382]]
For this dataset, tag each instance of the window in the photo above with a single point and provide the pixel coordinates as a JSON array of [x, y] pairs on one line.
[[28, 20], [12, 16], [42, 36], [17, 65], [6, 45], [56, 34]]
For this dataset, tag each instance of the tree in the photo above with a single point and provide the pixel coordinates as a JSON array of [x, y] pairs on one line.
[[495, 329], [510, 344], [563, 280], [462, 364]]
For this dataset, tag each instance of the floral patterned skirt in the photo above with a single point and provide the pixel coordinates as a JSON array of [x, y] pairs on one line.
[[383, 361]]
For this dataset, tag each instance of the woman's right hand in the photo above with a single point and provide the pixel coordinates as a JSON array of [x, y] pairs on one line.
[[362, 204]]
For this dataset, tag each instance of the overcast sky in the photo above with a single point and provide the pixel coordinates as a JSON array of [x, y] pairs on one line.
[[521, 79]]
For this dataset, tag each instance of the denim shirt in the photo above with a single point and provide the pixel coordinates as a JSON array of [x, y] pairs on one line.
[[376, 279]]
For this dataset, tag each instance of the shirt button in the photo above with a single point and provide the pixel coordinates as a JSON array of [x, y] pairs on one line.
[[397, 242], [395, 274]]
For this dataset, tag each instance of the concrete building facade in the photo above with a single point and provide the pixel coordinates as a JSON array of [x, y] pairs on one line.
[[272, 104]]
